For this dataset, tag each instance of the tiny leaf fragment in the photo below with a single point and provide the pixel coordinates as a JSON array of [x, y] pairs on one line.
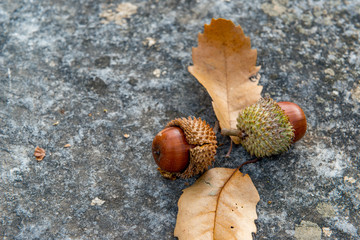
[[39, 153]]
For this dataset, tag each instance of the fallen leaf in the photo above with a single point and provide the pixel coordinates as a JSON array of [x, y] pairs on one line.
[[225, 65], [327, 232], [39, 154], [221, 204], [349, 179], [97, 202], [149, 42], [157, 73], [67, 145]]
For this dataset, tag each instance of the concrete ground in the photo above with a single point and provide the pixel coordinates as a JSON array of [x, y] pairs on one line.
[[105, 77]]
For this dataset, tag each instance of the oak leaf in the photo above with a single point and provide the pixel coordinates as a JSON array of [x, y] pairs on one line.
[[224, 64], [221, 204]]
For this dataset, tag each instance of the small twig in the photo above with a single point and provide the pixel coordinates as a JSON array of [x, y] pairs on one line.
[[250, 161], [233, 132], [230, 149], [216, 127]]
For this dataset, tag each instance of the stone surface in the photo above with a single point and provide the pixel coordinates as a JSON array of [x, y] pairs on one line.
[[86, 73]]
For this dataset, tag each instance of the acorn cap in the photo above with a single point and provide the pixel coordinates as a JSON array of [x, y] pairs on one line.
[[267, 130], [199, 134]]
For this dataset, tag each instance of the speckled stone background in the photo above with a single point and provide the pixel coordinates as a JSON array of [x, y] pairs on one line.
[[86, 73]]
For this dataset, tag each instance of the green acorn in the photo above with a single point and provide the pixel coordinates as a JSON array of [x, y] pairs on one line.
[[268, 128]]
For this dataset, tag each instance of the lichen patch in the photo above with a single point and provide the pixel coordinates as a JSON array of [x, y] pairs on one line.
[[119, 15], [325, 210], [355, 93], [273, 9], [307, 230]]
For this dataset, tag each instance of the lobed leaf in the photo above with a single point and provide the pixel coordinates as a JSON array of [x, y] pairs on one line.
[[225, 65]]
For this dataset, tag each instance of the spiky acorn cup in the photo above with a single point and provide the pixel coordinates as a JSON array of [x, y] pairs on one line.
[[184, 148], [268, 128]]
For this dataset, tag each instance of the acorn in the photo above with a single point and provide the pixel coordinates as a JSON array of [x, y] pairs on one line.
[[296, 117], [184, 148], [268, 128]]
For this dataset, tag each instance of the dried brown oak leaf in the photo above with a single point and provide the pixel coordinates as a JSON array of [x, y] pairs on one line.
[[224, 64], [39, 154], [221, 204]]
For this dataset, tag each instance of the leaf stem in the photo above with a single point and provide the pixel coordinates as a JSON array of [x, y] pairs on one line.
[[233, 132], [250, 161], [216, 127], [230, 149]]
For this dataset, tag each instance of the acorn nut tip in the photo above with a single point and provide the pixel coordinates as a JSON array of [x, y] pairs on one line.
[[296, 117]]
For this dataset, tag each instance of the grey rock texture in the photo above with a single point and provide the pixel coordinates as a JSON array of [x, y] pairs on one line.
[[86, 73]]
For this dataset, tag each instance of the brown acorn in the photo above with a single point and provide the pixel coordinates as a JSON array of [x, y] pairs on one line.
[[184, 148]]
